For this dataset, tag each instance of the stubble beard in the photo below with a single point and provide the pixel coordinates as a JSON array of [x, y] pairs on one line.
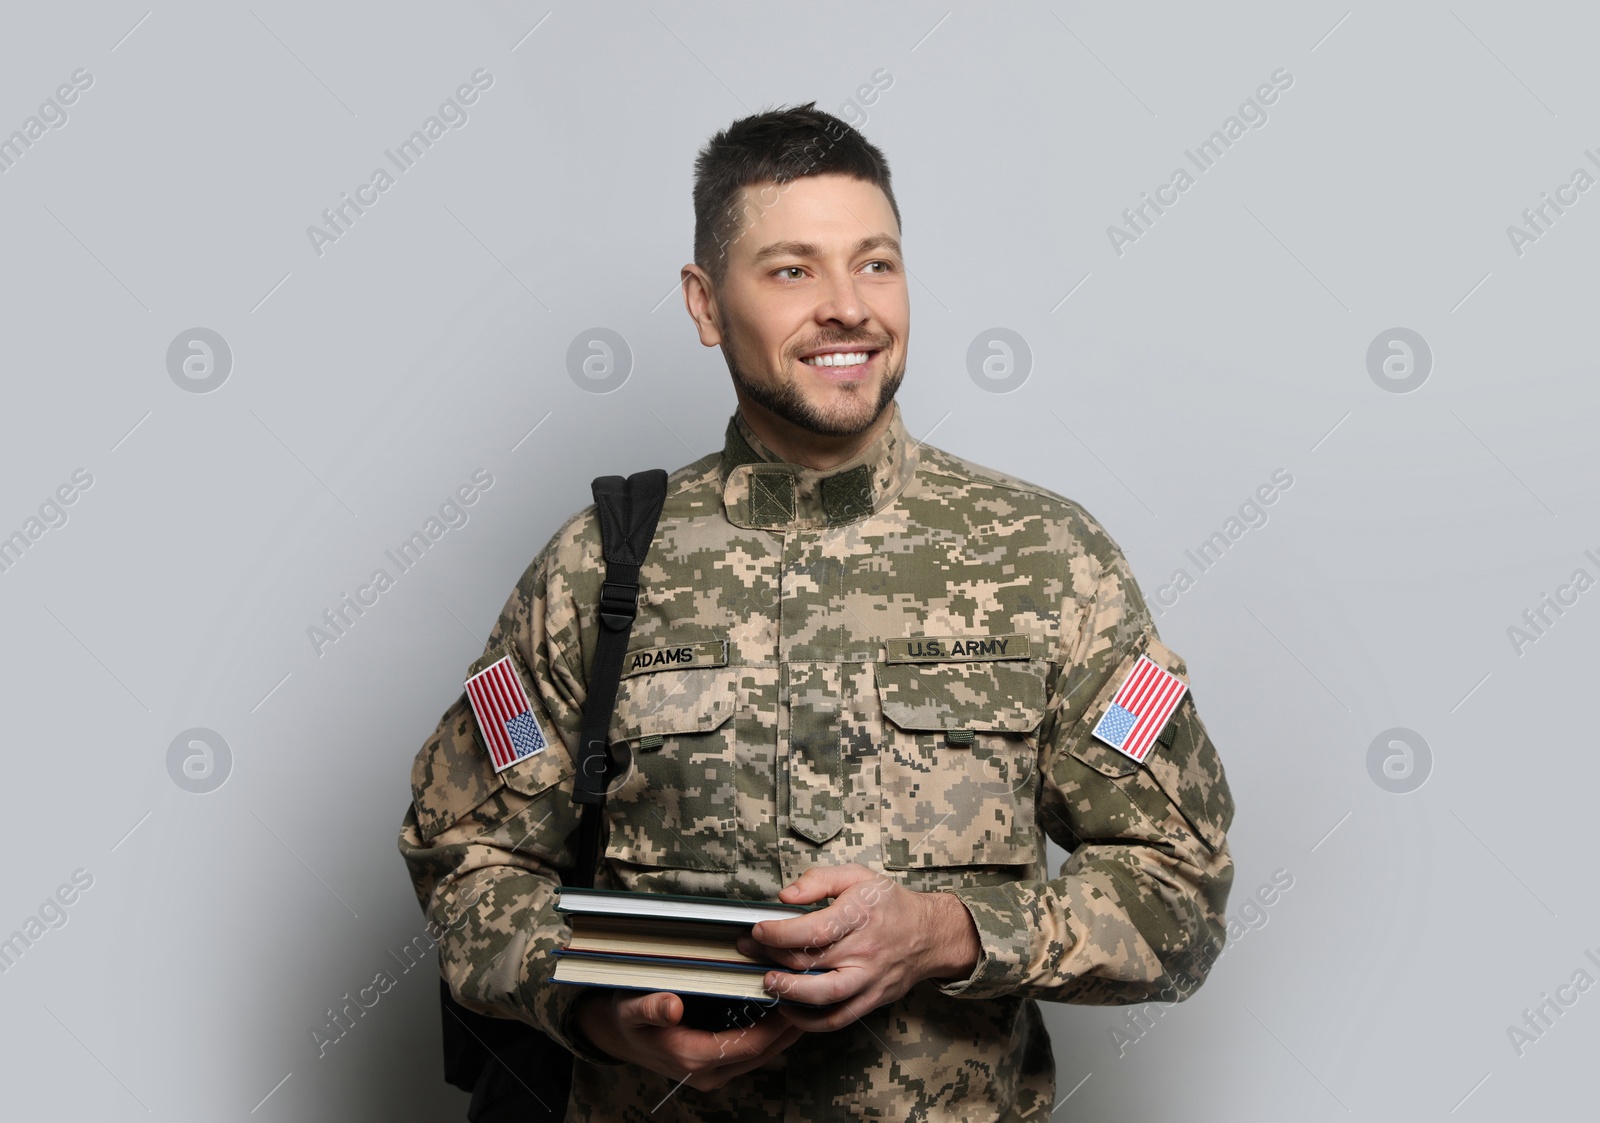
[[785, 400]]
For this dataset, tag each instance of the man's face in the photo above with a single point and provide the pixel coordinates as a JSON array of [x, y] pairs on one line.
[[814, 277]]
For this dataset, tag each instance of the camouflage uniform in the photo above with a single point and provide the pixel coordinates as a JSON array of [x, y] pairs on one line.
[[895, 663]]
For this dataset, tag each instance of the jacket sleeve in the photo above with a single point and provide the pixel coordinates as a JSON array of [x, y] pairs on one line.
[[486, 850], [1137, 912]]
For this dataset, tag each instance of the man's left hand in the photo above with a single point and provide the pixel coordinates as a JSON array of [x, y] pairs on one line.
[[876, 941]]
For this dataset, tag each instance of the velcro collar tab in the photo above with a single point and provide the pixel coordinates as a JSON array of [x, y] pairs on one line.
[[761, 491], [771, 496]]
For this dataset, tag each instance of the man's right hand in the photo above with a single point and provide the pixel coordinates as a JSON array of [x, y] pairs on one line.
[[643, 1029]]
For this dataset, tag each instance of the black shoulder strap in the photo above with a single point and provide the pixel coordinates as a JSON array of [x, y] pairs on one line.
[[628, 510], [480, 1051]]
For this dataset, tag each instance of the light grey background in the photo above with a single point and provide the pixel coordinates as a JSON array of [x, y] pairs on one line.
[[430, 341]]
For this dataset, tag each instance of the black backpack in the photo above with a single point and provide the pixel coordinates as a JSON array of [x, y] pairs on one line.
[[517, 1074]]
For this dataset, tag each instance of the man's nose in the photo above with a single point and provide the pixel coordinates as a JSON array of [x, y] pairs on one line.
[[840, 302]]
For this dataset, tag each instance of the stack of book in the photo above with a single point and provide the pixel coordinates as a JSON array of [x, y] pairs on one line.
[[662, 942]]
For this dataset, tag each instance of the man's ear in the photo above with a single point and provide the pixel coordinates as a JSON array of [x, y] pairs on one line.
[[700, 298]]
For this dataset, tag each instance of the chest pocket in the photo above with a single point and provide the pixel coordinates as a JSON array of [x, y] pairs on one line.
[[959, 762], [675, 805]]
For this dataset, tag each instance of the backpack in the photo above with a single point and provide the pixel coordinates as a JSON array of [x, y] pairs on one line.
[[514, 1071]]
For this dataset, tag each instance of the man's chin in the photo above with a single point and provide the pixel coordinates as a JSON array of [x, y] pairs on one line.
[[841, 411], [847, 414], [847, 418]]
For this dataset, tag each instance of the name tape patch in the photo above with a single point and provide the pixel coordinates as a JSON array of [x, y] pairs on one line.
[[1140, 709], [949, 649], [708, 653], [505, 716]]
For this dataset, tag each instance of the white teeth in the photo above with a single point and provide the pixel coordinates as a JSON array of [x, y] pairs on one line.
[[839, 359]]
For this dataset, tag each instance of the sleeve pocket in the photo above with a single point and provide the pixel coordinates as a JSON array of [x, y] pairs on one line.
[[1186, 765], [1183, 762], [454, 773]]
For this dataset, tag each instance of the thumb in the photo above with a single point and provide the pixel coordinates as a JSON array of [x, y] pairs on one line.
[[662, 1008], [823, 881]]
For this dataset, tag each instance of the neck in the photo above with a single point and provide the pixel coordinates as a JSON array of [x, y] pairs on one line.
[[803, 447]]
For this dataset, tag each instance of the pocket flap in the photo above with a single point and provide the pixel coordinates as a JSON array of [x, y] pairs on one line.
[[671, 701], [537, 773], [1004, 697]]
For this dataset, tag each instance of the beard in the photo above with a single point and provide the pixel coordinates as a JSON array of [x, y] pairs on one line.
[[785, 400]]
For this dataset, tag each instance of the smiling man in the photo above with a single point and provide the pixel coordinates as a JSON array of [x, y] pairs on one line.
[[908, 672]]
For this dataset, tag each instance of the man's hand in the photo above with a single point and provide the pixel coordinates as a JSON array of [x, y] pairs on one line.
[[876, 941], [643, 1029]]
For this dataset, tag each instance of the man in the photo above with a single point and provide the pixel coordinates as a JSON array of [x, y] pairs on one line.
[[863, 669]]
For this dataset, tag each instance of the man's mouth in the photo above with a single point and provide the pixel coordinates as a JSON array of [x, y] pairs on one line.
[[842, 362]]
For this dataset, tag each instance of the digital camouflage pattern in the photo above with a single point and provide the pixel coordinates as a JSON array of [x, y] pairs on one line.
[[895, 663]]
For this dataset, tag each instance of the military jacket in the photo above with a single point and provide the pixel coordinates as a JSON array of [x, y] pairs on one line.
[[898, 663]]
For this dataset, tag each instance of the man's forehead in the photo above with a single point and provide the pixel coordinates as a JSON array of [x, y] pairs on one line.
[[815, 216]]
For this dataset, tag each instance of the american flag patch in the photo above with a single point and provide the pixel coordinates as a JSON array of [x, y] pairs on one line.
[[505, 716], [1140, 708]]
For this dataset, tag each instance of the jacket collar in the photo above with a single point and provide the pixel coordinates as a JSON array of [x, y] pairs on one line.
[[761, 491]]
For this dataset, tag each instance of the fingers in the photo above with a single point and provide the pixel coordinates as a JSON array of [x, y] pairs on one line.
[[825, 989], [738, 1052], [818, 882], [799, 959], [662, 1008], [814, 930], [751, 1041], [848, 912], [713, 1078], [697, 1049], [649, 1033], [776, 1036]]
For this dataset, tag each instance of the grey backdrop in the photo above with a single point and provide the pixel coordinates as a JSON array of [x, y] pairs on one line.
[[1421, 773]]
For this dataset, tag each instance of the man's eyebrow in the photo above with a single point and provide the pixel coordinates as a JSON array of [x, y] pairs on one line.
[[810, 249]]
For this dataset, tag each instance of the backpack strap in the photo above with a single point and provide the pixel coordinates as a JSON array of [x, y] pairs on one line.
[[628, 510]]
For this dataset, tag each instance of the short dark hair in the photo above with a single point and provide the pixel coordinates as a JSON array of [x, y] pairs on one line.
[[776, 146]]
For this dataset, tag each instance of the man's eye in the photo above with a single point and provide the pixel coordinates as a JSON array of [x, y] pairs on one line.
[[886, 266], [788, 269]]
